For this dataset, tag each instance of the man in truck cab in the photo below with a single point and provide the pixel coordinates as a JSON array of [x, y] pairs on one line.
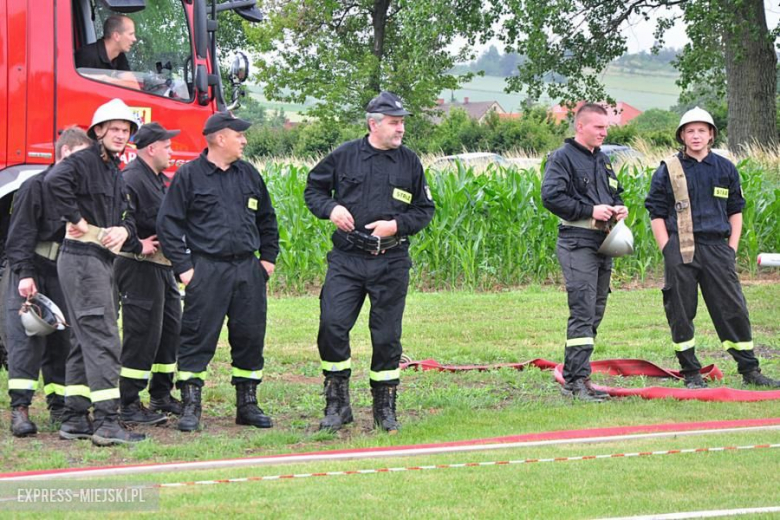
[[89, 194], [109, 52], [33, 243]]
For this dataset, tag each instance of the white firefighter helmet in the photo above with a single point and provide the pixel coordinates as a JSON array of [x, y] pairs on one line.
[[40, 316], [619, 242], [696, 115], [111, 111]]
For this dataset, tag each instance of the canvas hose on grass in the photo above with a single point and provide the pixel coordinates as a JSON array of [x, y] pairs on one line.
[[624, 368]]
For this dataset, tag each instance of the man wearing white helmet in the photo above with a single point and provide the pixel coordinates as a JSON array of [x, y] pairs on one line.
[[89, 193], [33, 243], [695, 204]]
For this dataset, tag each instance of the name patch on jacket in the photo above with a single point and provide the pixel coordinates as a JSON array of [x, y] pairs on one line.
[[252, 204], [613, 183], [722, 193], [403, 196]]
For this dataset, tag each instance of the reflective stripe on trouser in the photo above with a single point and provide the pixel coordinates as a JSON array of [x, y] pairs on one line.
[[151, 324], [54, 389], [87, 281], [235, 289], [254, 375], [714, 271], [350, 278], [336, 366], [685, 345], [587, 276], [31, 356]]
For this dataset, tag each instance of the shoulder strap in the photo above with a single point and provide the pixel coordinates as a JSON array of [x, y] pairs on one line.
[[682, 206]]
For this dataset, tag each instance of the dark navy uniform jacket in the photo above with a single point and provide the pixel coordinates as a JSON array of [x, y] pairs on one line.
[[86, 186], [373, 185], [576, 180], [94, 56], [29, 225], [146, 190], [221, 214], [713, 189]]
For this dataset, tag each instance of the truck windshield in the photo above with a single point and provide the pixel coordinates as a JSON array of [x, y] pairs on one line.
[[159, 61]]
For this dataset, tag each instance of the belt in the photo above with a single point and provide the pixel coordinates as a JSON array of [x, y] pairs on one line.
[[94, 235], [371, 243], [225, 258], [48, 250], [590, 223], [156, 258]]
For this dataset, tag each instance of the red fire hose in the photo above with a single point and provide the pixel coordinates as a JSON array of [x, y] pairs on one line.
[[624, 368]]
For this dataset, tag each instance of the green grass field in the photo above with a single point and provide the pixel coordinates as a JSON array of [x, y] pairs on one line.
[[457, 328]]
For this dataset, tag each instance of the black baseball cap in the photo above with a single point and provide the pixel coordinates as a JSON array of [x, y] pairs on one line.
[[151, 133], [222, 120], [387, 103]]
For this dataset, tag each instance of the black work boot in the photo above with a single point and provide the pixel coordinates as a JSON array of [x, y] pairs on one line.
[[247, 411], [165, 404], [593, 391], [756, 378], [694, 381], [110, 432], [137, 413], [191, 407], [21, 425], [577, 389], [338, 412], [384, 407], [56, 405], [75, 426]]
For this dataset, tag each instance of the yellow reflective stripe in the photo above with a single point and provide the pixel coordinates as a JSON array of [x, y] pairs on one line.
[[22, 384], [385, 375], [164, 369], [186, 376], [54, 388], [685, 345], [249, 374], [74, 390], [105, 395], [738, 345], [336, 366], [132, 373], [579, 342]]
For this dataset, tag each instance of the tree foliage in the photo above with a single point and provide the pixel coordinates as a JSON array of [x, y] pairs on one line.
[[342, 52], [731, 47]]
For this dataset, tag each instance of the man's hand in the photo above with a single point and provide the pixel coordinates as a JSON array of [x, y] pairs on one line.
[[114, 237], [268, 266], [186, 276], [342, 218], [603, 212], [621, 212], [27, 288], [149, 245], [383, 228], [78, 229]]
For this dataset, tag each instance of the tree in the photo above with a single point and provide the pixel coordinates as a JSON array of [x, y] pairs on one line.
[[731, 46], [343, 52]]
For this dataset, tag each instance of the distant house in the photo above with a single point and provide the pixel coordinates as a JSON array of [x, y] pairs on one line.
[[619, 115], [475, 109]]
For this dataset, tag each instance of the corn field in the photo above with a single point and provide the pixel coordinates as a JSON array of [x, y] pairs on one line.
[[491, 231]]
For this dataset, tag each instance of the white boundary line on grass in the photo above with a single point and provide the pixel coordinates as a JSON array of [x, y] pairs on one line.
[[701, 514], [388, 453]]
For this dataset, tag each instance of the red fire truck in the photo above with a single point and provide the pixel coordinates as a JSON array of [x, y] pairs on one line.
[[174, 77]]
